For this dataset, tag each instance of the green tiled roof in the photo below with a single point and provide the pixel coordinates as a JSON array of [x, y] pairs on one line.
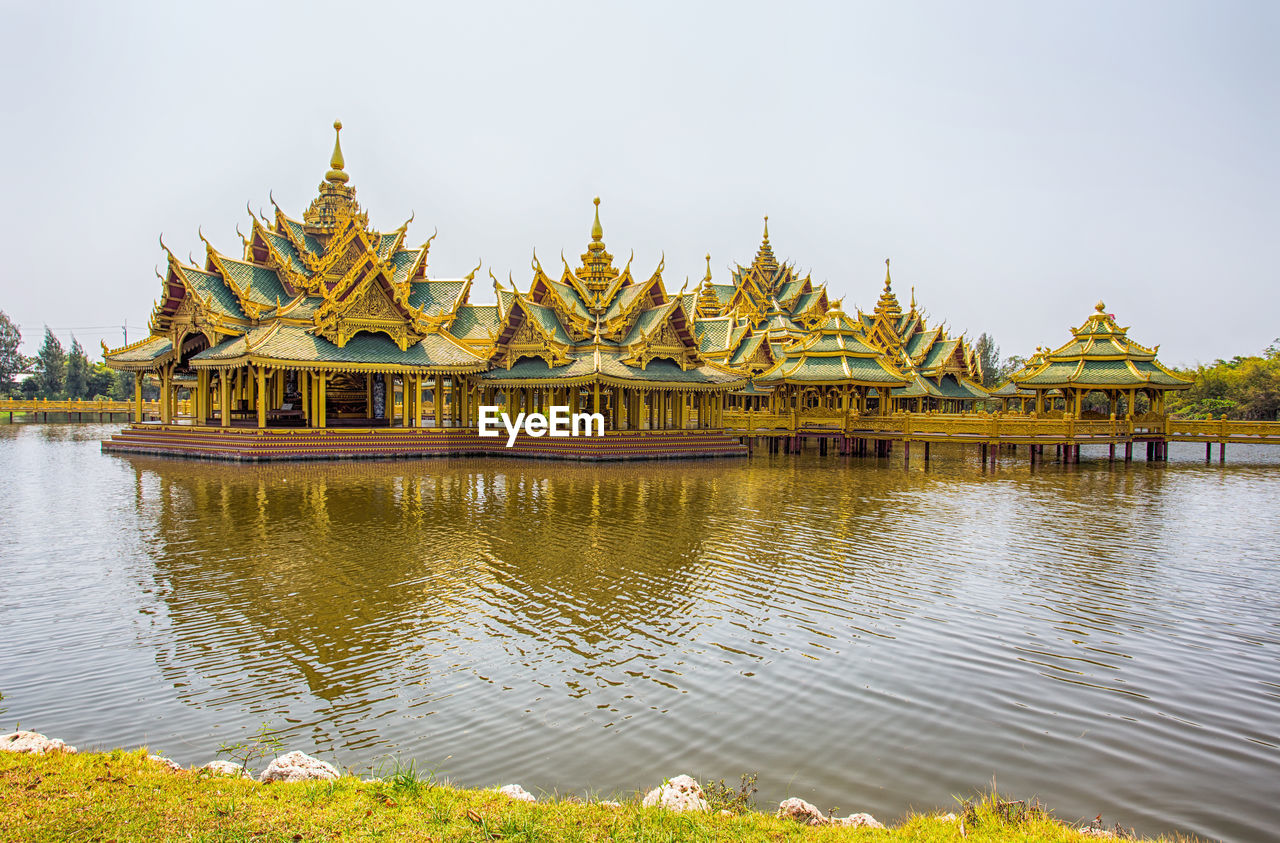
[[746, 350], [723, 292], [384, 244], [712, 334], [951, 387], [806, 301], [647, 321], [610, 366], [571, 299], [546, 317], [264, 284], [475, 321], [144, 352], [403, 261], [291, 343], [435, 296], [308, 242], [622, 300], [211, 288], [282, 245]]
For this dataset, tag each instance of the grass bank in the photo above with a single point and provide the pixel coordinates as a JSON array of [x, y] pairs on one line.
[[122, 796]]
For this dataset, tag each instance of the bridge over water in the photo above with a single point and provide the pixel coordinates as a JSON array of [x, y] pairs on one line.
[[852, 433]]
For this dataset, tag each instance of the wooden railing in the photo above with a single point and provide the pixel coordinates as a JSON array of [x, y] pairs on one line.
[[999, 427], [103, 406]]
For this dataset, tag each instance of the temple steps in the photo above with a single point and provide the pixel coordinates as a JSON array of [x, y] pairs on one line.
[[253, 445]]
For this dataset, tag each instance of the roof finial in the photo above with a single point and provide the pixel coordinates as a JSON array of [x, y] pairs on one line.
[[708, 278], [913, 296], [888, 282], [766, 228], [335, 161], [1100, 307], [597, 233]]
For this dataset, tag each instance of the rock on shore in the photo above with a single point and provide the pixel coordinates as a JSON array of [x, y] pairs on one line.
[[226, 768], [517, 792], [679, 794], [808, 814], [32, 742], [298, 767]]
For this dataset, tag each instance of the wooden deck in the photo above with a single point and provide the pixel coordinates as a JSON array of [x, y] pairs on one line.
[[253, 445]]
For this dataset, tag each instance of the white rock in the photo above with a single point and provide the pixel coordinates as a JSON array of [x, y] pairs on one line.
[[679, 794], [801, 811], [32, 742], [298, 767], [168, 762], [226, 768], [609, 803], [948, 817], [515, 791], [858, 821]]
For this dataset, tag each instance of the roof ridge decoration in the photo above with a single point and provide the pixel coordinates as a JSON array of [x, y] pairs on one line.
[[597, 270], [337, 197]]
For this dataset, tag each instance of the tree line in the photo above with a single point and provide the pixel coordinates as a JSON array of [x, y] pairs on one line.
[[1239, 388], [55, 373]]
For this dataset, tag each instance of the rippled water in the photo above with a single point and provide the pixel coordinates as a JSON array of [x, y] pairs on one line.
[[864, 636]]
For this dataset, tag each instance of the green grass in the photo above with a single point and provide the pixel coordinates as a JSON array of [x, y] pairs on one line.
[[121, 796]]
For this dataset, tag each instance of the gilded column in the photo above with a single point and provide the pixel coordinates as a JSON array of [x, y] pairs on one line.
[[262, 397]]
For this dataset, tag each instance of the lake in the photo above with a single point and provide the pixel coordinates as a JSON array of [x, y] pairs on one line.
[[866, 636]]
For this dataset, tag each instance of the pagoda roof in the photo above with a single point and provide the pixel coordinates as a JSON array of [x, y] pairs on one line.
[[142, 353], [834, 353], [1100, 355], [299, 347], [475, 322], [608, 367]]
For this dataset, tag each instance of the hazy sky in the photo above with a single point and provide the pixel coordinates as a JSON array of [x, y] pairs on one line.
[[1017, 161]]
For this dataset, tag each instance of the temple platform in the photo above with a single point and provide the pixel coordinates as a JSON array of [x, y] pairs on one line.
[[254, 445]]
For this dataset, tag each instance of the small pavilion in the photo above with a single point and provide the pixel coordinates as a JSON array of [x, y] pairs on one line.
[[1101, 358]]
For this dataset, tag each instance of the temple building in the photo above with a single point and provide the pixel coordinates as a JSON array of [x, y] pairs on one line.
[[327, 323], [324, 337], [598, 338], [831, 371], [319, 322], [943, 373], [1100, 358]]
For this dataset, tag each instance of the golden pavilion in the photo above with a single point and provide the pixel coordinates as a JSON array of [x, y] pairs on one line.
[[323, 337]]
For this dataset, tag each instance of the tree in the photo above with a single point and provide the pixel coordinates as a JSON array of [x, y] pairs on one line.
[[122, 387], [989, 356], [77, 371], [50, 366], [102, 381], [12, 363]]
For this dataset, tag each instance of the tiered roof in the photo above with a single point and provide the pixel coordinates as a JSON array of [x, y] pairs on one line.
[[597, 323], [324, 291], [937, 366], [1100, 355], [747, 323], [834, 354]]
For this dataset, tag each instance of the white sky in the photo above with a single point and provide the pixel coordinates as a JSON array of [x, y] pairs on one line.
[[1018, 161]]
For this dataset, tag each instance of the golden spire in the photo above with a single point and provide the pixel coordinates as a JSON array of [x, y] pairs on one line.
[[707, 278], [597, 264], [1100, 307], [765, 262], [335, 161], [888, 282]]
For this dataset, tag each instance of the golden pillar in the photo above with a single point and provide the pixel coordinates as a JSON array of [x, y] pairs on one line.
[[224, 398], [137, 396], [321, 386], [261, 395]]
